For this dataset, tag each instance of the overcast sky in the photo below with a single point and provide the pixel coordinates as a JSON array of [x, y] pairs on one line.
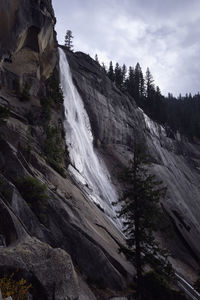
[[161, 34]]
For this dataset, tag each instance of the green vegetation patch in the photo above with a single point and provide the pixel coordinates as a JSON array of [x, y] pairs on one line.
[[54, 150], [47, 105], [32, 189], [35, 194], [54, 89]]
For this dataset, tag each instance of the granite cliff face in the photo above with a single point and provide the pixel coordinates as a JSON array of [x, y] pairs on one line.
[[116, 121], [67, 248], [28, 44]]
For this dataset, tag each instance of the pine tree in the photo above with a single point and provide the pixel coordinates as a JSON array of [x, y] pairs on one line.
[[170, 96], [158, 91], [130, 81], [149, 82], [96, 58], [157, 106], [111, 74], [104, 68], [139, 83], [118, 75], [139, 212], [68, 40], [180, 97], [124, 71]]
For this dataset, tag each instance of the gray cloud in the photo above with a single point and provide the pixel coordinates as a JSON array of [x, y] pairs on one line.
[[163, 35]]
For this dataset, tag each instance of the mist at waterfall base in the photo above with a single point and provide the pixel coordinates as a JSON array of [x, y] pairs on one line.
[[86, 166]]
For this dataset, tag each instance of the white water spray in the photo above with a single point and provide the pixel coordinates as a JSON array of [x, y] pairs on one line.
[[86, 167]]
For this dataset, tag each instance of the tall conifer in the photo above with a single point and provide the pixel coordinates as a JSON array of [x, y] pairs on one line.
[[139, 212], [68, 40]]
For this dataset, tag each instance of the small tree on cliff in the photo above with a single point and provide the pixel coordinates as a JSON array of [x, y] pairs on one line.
[[111, 73], [68, 40], [96, 59], [139, 212]]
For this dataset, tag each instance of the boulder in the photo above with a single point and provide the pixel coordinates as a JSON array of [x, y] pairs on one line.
[[50, 270]]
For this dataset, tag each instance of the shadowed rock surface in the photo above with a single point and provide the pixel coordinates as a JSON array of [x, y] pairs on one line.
[[28, 47]]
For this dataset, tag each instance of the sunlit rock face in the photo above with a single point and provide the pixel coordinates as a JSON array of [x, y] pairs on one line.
[[28, 44], [115, 121]]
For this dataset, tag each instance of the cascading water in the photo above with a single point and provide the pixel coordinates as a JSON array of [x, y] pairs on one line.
[[86, 167]]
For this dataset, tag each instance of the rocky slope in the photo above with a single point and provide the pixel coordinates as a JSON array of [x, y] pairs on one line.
[[116, 121], [65, 247]]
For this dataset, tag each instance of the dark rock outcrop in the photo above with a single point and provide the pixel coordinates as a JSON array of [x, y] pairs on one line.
[[28, 50]]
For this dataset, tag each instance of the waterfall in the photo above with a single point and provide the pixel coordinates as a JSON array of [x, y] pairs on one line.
[[86, 166]]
